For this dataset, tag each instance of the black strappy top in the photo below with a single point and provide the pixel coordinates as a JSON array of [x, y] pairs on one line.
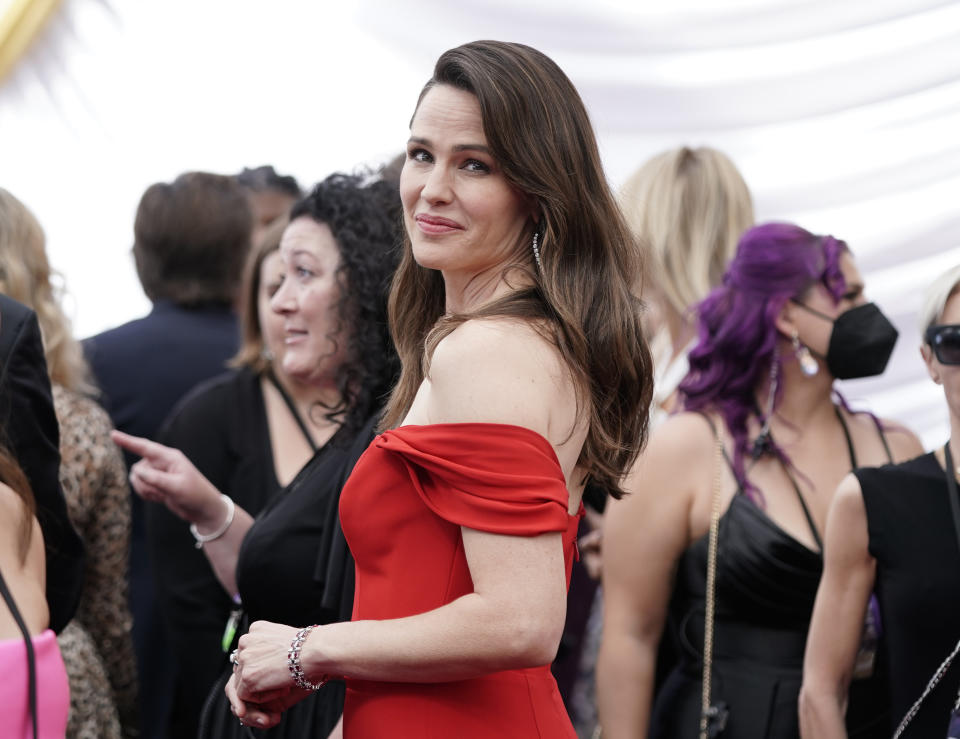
[[765, 590]]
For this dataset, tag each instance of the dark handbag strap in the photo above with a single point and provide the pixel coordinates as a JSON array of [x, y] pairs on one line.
[[31, 657]]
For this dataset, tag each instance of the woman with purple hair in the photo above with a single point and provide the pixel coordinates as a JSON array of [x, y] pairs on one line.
[[762, 444]]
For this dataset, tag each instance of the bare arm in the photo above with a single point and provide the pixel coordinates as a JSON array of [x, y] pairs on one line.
[[24, 572], [644, 534], [838, 613], [165, 475], [514, 617]]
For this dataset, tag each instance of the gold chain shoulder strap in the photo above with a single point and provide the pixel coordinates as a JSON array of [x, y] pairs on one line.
[[711, 586]]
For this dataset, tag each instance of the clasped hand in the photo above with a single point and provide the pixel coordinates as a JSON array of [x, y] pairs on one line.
[[261, 687]]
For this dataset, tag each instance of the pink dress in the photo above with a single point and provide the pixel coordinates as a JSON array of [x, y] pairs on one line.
[[53, 692]]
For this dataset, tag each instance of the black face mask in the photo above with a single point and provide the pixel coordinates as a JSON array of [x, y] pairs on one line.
[[861, 342]]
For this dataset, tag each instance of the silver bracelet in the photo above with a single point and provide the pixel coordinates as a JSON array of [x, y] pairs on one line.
[[293, 661], [204, 538]]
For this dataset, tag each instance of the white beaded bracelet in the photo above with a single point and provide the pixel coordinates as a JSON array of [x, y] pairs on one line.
[[204, 538], [293, 661]]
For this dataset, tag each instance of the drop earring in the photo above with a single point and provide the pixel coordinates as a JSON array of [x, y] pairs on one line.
[[764, 443], [808, 365], [536, 250]]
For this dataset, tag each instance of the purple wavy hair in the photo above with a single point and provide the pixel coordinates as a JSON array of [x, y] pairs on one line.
[[737, 334]]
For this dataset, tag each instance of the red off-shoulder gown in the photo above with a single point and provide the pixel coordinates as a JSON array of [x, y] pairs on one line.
[[401, 512]]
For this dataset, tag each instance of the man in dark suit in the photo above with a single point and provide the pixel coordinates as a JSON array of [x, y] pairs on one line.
[[191, 238], [29, 428]]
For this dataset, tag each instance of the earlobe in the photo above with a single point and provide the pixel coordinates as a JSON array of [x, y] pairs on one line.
[[536, 213], [784, 322], [928, 360]]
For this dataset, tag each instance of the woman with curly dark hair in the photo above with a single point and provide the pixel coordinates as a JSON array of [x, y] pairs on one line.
[[316, 366]]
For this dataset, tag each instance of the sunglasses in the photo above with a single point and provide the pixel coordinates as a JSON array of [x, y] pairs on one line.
[[944, 339]]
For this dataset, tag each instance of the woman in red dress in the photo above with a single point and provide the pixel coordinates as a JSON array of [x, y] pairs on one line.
[[525, 374]]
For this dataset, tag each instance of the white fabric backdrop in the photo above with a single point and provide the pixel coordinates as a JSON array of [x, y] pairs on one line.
[[841, 115]]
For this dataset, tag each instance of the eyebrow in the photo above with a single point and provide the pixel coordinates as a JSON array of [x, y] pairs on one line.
[[459, 147]]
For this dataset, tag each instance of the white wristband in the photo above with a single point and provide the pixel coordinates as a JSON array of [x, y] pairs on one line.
[[204, 538]]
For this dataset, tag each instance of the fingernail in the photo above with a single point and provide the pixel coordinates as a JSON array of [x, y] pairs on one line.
[[261, 720]]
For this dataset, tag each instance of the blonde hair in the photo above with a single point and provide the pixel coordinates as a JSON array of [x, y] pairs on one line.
[[935, 298], [25, 276], [688, 208]]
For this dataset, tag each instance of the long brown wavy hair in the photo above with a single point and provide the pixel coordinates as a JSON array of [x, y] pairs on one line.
[[582, 299]]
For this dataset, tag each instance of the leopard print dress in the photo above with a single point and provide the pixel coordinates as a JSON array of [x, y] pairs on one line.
[[96, 645]]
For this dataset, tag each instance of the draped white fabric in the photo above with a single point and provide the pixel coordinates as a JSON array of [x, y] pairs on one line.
[[843, 117]]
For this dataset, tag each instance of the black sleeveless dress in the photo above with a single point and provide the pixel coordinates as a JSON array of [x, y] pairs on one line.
[[913, 540], [765, 589]]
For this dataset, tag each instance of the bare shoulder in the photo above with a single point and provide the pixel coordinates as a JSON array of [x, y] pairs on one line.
[[12, 518], [653, 519], [24, 575], [495, 342], [11, 509], [677, 462], [904, 444], [683, 436], [847, 507], [847, 541], [500, 371]]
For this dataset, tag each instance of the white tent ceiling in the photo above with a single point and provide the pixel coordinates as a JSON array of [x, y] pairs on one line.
[[843, 117]]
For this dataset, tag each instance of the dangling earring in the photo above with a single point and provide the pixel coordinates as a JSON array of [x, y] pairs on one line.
[[266, 354], [536, 251], [764, 442], [808, 365]]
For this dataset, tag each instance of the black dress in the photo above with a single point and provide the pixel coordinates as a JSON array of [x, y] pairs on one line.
[[765, 589], [221, 426], [294, 568], [913, 540]]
